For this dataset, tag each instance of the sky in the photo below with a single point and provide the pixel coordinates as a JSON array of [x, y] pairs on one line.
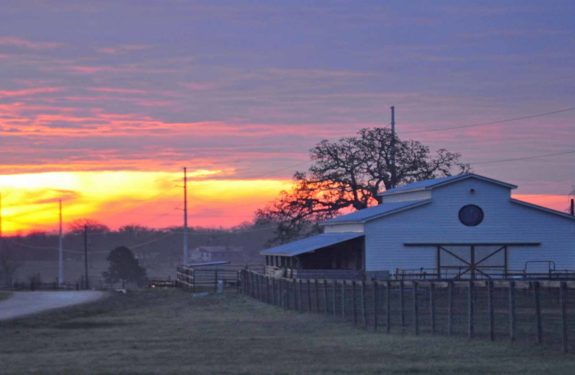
[[103, 102]]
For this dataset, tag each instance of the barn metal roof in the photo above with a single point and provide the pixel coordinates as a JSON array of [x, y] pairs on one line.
[[309, 244], [376, 212], [436, 182]]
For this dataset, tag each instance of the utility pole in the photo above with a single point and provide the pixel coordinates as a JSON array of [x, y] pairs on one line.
[[185, 255], [0, 215], [60, 248], [86, 257], [1, 234], [392, 152]]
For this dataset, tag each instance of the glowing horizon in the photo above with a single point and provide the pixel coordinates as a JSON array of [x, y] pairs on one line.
[[118, 198], [148, 198]]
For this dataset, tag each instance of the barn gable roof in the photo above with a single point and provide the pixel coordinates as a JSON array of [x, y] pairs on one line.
[[543, 209], [376, 212], [312, 243], [442, 181]]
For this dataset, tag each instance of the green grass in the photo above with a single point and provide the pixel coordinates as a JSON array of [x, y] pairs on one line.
[[5, 295], [168, 332]]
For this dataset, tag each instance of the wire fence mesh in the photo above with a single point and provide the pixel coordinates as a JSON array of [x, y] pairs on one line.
[[534, 311]]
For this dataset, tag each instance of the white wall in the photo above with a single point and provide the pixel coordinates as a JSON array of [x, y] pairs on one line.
[[343, 228], [406, 197], [438, 222]]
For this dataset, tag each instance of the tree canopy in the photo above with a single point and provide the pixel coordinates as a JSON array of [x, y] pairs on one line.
[[124, 267], [349, 174]]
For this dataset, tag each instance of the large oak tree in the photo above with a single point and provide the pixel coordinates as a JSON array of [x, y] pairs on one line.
[[349, 174]]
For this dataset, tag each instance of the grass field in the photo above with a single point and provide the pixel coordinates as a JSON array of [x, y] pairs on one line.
[[4, 295], [168, 332]]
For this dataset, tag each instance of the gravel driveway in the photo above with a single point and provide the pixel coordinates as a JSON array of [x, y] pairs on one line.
[[27, 303]]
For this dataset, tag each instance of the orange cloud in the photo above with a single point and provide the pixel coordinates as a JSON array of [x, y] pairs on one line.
[[119, 198]]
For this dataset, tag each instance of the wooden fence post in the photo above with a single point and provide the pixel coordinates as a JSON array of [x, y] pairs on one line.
[[490, 310], [564, 326], [294, 294], [308, 289], [325, 297], [375, 305], [537, 301], [450, 308], [415, 309], [363, 304], [334, 297], [512, 323], [317, 299], [401, 306], [300, 291], [470, 310], [388, 306], [353, 304], [343, 299], [432, 306]]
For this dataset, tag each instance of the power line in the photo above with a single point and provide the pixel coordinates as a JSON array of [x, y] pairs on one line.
[[524, 158], [542, 114]]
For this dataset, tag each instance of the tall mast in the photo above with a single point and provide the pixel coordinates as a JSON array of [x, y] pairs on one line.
[[185, 255], [0, 215], [60, 247], [392, 152]]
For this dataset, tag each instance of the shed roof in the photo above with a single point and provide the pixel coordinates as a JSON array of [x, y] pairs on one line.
[[309, 244], [441, 181], [376, 212]]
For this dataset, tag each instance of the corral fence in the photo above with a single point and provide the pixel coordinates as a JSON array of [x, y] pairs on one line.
[[533, 311], [205, 278]]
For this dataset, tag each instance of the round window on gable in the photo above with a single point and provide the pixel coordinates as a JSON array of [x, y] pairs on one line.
[[471, 215]]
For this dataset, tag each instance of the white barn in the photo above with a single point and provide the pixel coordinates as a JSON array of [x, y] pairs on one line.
[[464, 226]]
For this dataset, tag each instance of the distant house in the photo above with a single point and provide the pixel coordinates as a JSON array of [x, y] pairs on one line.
[[234, 254], [461, 227]]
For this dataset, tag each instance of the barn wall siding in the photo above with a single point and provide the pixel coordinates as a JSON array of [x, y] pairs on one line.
[[438, 221], [344, 228], [405, 197]]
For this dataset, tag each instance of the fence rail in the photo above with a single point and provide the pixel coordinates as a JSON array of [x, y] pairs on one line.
[[202, 278], [532, 310]]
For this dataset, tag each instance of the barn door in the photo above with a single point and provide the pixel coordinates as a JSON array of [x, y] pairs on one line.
[[471, 262]]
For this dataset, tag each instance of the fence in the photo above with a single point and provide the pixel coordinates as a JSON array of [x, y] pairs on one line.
[[208, 277], [534, 311]]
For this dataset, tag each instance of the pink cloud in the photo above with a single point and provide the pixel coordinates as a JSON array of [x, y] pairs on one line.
[[125, 48], [12, 41], [27, 92], [118, 90]]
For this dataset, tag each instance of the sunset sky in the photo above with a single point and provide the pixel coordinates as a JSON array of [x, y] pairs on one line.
[[103, 102]]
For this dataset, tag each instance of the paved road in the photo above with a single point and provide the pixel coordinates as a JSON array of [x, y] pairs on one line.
[[27, 303]]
